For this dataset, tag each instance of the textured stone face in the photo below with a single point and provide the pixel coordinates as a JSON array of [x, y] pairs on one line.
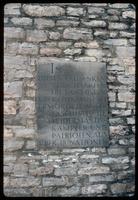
[[40, 11], [10, 107], [94, 189], [13, 89], [76, 34]]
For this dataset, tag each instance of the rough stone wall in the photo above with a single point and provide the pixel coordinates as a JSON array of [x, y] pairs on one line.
[[40, 33]]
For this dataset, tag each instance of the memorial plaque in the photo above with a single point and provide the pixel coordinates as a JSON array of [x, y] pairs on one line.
[[72, 105]]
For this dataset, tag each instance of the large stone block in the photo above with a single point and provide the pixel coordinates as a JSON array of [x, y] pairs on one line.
[[41, 23], [25, 182], [13, 89], [21, 21], [77, 33], [27, 107], [74, 11], [63, 171], [125, 52], [10, 107], [94, 23], [36, 35], [13, 145], [52, 181], [40, 11], [96, 169], [94, 189], [12, 9], [14, 33], [50, 51]]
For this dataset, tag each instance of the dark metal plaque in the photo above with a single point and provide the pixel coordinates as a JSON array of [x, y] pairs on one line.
[[72, 105]]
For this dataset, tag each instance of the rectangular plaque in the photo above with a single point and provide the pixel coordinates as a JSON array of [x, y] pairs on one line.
[[72, 105]]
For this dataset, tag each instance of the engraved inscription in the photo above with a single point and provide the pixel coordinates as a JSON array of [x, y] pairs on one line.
[[72, 106]]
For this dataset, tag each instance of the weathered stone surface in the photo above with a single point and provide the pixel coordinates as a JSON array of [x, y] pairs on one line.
[[112, 160], [30, 144], [6, 181], [128, 80], [54, 35], [119, 5], [50, 51], [121, 112], [98, 53], [64, 45], [40, 171], [125, 52], [27, 107], [63, 171], [52, 181], [17, 62], [23, 74], [72, 51], [76, 34], [127, 34], [94, 10], [116, 42], [17, 192], [13, 89], [94, 23], [10, 107], [116, 151], [118, 26], [36, 35], [40, 11], [8, 132], [70, 191], [25, 182], [15, 33], [96, 169], [129, 14], [12, 9], [123, 142], [67, 23], [126, 96], [41, 23], [22, 21], [13, 145], [118, 130], [101, 178], [89, 44], [94, 189], [74, 11], [28, 48], [130, 120], [117, 188], [24, 132], [111, 96], [86, 59], [20, 170], [100, 150]]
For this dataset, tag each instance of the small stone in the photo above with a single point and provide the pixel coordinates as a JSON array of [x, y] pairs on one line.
[[23, 21], [127, 34], [28, 48], [64, 45], [36, 35], [128, 80], [123, 141], [121, 105], [98, 53], [10, 107], [130, 120], [94, 189], [76, 34], [118, 26], [27, 107], [129, 14], [90, 44], [67, 23], [12, 9], [111, 96], [40, 11], [96, 169], [52, 181], [24, 132], [119, 5], [74, 11], [8, 133], [64, 171], [30, 144], [13, 89], [94, 10], [126, 97], [86, 59], [101, 178], [118, 188], [116, 151], [116, 42], [118, 130], [13, 145], [54, 35], [20, 170], [72, 51], [50, 51], [70, 191], [111, 160], [41, 23], [40, 171], [23, 74], [25, 182], [15, 33], [125, 52], [94, 23]]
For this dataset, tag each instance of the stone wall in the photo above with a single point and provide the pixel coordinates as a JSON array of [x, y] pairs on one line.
[[41, 33]]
